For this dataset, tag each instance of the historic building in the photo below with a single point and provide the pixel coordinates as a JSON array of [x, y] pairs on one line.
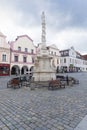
[[22, 55], [72, 61], [4, 56], [54, 52], [17, 57]]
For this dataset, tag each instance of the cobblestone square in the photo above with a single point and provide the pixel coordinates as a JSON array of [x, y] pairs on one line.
[[43, 109]]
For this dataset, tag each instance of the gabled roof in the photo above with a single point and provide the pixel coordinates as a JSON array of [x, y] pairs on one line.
[[78, 53], [84, 57], [24, 36], [21, 36], [53, 46], [2, 35], [67, 49], [64, 50]]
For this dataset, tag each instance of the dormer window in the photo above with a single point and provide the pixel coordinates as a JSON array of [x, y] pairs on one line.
[[26, 49], [19, 48]]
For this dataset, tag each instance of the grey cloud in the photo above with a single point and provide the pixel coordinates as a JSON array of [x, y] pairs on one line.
[[60, 14], [58, 10], [76, 8]]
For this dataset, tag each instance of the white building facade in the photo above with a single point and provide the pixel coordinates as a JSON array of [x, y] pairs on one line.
[[18, 56], [22, 55], [4, 56], [72, 61], [55, 54]]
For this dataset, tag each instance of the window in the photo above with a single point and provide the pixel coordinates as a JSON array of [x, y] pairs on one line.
[[19, 48], [70, 60], [24, 59], [3, 57], [66, 53], [61, 52], [16, 58], [57, 61], [32, 51], [52, 52], [26, 49], [64, 60], [4, 70], [60, 60], [0, 40], [32, 60]]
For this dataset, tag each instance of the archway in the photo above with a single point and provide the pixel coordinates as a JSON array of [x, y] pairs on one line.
[[15, 70], [24, 69]]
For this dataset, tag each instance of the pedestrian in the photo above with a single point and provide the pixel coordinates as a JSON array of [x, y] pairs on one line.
[[67, 80], [16, 73]]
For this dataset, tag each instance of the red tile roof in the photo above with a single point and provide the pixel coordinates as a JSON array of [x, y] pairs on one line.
[[84, 57]]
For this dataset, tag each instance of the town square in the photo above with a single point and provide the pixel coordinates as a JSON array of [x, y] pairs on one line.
[[43, 65], [43, 109]]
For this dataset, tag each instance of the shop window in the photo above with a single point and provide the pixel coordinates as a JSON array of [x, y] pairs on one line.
[[4, 70]]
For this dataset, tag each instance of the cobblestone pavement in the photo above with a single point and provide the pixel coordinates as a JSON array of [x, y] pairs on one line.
[[43, 109]]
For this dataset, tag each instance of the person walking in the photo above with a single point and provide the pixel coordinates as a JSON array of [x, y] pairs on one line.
[[67, 80]]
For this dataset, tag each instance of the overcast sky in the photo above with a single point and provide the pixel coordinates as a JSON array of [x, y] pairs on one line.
[[66, 21]]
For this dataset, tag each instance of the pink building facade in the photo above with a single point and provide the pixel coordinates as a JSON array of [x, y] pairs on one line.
[[4, 56], [22, 54]]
